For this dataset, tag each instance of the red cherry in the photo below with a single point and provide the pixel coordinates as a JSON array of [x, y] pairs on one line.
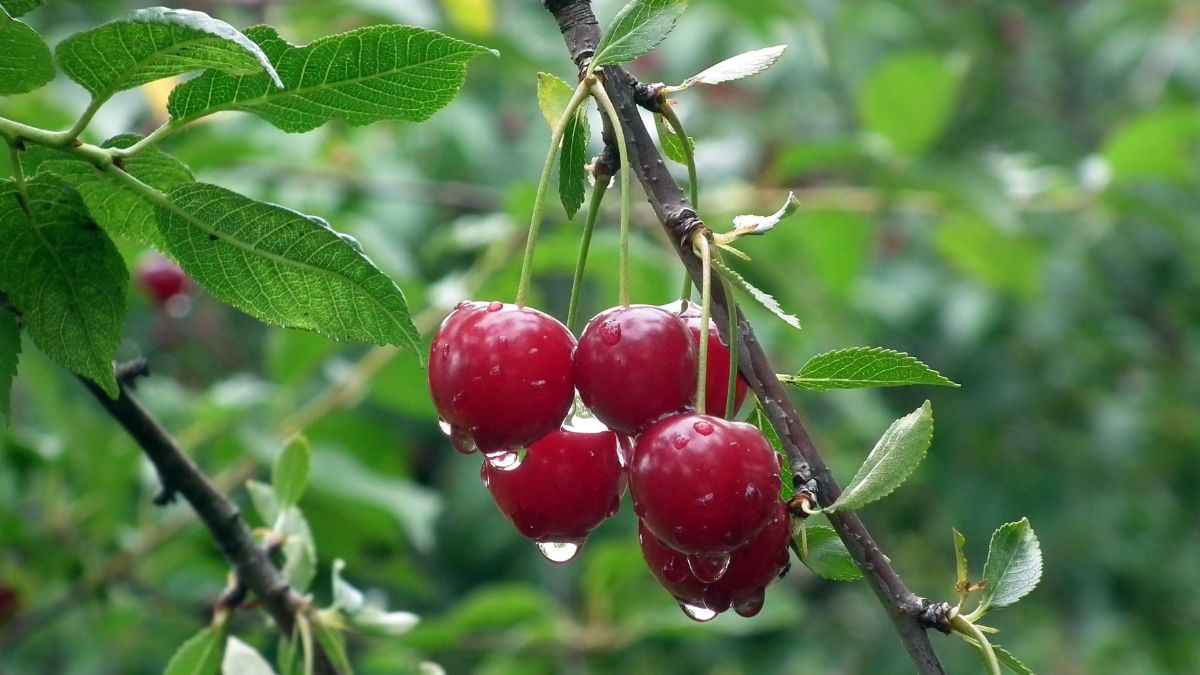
[[751, 568], [566, 484], [161, 278], [501, 373], [704, 485], [716, 382], [634, 366]]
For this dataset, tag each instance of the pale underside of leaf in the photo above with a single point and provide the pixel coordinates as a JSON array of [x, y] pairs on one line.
[[859, 367], [737, 67], [892, 460], [638, 28], [763, 298]]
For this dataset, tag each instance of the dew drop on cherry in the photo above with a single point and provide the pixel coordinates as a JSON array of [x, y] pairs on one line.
[[679, 441], [703, 428], [697, 613], [445, 427], [495, 306], [504, 461], [610, 333], [751, 605], [708, 569], [560, 552], [581, 420]]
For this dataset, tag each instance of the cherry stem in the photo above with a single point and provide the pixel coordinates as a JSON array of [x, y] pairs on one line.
[[731, 387], [677, 126], [539, 202], [686, 292], [623, 261], [585, 243], [700, 242], [960, 624]]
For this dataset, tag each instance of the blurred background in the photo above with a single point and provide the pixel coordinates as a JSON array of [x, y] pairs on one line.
[[1008, 191]]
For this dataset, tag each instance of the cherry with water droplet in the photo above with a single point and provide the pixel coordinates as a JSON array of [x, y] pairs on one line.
[[716, 378]]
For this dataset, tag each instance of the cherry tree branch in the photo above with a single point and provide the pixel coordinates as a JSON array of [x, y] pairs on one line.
[[910, 614]]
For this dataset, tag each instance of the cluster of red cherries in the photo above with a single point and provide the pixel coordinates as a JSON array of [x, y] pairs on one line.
[[565, 425]]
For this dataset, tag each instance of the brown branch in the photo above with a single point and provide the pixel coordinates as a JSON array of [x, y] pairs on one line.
[[909, 613], [179, 475]]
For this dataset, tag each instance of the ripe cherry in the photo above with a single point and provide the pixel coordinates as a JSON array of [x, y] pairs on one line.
[[161, 278], [567, 483], [501, 373], [751, 568], [716, 382], [703, 485], [634, 366]]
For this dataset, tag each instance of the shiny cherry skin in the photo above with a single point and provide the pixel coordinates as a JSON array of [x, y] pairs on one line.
[[635, 365], [566, 484], [501, 373], [161, 278], [716, 382], [751, 568], [704, 485]]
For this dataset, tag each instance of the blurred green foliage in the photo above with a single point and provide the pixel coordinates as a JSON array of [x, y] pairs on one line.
[[1008, 191]]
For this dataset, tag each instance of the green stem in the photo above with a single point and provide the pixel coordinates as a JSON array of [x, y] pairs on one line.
[[701, 243], [685, 293], [150, 139], [731, 387], [19, 175], [539, 202], [960, 624], [623, 260], [65, 137], [677, 126], [585, 243]]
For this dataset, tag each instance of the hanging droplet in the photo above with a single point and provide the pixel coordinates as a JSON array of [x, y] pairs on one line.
[[708, 569], [444, 426], [506, 460], [462, 441], [751, 605], [560, 552], [495, 306], [582, 421], [674, 571], [697, 613], [615, 506]]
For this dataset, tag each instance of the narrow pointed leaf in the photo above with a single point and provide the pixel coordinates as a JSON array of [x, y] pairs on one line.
[[752, 224], [827, 555], [289, 475], [20, 7], [125, 213], [375, 73], [242, 659], [10, 351], [763, 298], [860, 367], [65, 276], [155, 43], [283, 267], [895, 456], [960, 558], [334, 644], [200, 655], [672, 147], [553, 96], [1013, 568], [25, 61], [1011, 662], [737, 67], [639, 27]]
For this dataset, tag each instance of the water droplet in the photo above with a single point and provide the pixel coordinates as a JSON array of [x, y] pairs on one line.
[[582, 421], [708, 569], [752, 495], [697, 613], [615, 506], [502, 340], [679, 441], [533, 351], [444, 426], [639, 509], [706, 500], [463, 304], [537, 384], [495, 306], [751, 605], [506, 460], [445, 349], [610, 332], [462, 441], [457, 401], [703, 428], [560, 552], [486, 478], [674, 571], [495, 371]]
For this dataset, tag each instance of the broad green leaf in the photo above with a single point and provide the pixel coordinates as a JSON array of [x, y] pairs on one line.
[[859, 367], [639, 27], [758, 418], [10, 350], [892, 460], [65, 277], [960, 558], [910, 97], [364, 76], [1014, 566], [20, 7], [827, 555], [554, 95], [289, 655], [1006, 262], [283, 267], [25, 61], [763, 298], [737, 67], [242, 659], [1159, 144], [672, 147], [1011, 662], [289, 475], [155, 43], [334, 644], [200, 655], [126, 214]]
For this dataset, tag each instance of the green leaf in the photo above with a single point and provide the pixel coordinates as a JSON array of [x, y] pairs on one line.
[[1011, 662], [553, 96], [754, 224], [10, 350], [737, 67], [764, 299], [200, 655], [639, 27], [242, 659], [283, 267], [262, 496], [910, 97], [289, 475], [125, 213], [960, 558], [299, 548], [346, 597], [155, 43], [289, 656], [1004, 261], [893, 459], [1014, 566], [860, 367], [669, 140], [25, 61], [1160, 144], [65, 277], [758, 418], [827, 555], [370, 74], [20, 7], [334, 644]]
